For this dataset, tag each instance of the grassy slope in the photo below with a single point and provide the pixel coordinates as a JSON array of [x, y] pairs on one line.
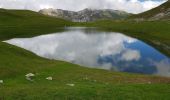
[[156, 33], [16, 22], [16, 62], [157, 10]]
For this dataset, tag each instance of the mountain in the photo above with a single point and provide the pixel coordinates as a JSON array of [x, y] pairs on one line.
[[85, 15], [161, 12]]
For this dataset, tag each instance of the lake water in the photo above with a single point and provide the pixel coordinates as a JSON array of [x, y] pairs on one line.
[[97, 49]]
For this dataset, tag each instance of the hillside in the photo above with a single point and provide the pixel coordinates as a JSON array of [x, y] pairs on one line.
[[26, 17], [16, 22], [89, 84], [159, 13], [85, 15]]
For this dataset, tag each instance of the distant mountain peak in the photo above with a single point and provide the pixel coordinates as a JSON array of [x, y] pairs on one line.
[[85, 15]]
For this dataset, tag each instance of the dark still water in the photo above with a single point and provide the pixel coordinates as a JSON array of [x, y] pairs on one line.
[[97, 49]]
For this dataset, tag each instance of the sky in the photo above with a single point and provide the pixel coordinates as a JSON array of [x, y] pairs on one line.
[[131, 6]]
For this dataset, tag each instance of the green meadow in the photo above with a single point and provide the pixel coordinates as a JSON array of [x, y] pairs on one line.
[[89, 84]]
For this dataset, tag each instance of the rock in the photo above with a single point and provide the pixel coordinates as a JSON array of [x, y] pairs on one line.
[[85, 15], [158, 16], [149, 82], [71, 85], [1, 81], [29, 76], [49, 78]]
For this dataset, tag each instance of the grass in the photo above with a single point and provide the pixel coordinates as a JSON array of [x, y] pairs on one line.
[[90, 84], [24, 23], [155, 33], [162, 8]]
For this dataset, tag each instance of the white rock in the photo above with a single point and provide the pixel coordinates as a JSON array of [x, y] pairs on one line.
[[71, 85], [29, 79], [49, 78], [1, 81], [149, 82], [29, 76]]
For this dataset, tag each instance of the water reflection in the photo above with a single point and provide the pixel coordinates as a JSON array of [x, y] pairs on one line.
[[111, 51]]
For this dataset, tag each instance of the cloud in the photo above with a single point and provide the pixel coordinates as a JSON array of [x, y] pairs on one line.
[[132, 6], [111, 51], [77, 47], [163, 67], [130, 55]]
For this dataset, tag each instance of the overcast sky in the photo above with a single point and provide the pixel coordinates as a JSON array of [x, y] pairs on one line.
[[132, 6]]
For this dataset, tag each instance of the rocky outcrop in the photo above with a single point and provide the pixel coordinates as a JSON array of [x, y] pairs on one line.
[[85, 15]]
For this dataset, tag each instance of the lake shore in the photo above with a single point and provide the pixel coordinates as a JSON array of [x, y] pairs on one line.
[[72, 81]]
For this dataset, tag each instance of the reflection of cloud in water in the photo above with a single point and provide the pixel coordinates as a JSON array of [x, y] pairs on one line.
[[79, 48], [102, 50], [130, 55], [163, 67]]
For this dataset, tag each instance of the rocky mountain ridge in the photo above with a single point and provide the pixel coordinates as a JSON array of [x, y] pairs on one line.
[[85, 15]]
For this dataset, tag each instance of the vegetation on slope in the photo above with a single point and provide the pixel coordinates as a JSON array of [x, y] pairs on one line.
[[15, 63], [24, 23], [156, 11]]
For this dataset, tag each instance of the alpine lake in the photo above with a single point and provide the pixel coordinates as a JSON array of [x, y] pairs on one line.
[[98, 49]]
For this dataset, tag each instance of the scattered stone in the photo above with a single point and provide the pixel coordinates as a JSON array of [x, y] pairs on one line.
[[149, 82], [49, 78], [1, 81], [29, 76], [71, 85]]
